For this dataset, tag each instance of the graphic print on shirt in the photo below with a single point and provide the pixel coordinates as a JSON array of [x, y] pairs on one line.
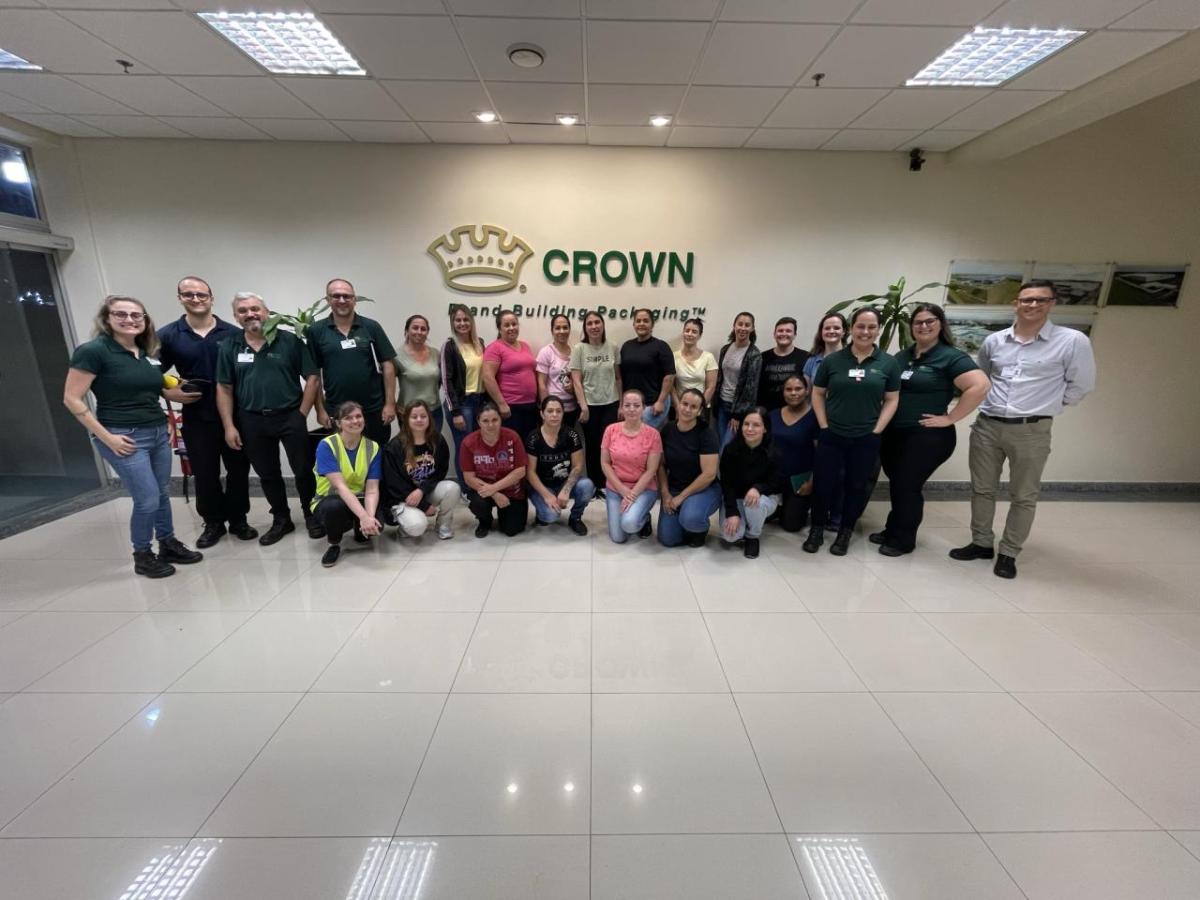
[[422, 467]]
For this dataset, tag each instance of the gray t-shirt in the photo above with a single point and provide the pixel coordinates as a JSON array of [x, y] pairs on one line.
[[418, 380], [731, 370], [598, 368]]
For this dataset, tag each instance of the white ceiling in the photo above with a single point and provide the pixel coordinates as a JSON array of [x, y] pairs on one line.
[[732, 73]]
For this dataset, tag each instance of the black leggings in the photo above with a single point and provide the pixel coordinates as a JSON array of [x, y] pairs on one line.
[[336, 516], [512, 518], [846, 463], [600, 416], [910, 456]]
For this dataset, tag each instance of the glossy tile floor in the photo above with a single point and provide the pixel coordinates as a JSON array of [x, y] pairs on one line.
[[556, 717]]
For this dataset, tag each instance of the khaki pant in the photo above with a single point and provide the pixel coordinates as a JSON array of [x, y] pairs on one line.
[[1026, 447]]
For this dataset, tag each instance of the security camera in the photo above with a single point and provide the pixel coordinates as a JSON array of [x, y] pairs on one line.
[[916, 159]]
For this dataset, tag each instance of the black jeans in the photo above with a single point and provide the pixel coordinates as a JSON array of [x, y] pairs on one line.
[[262, 436], [910, 456], [206, 450], [600, 416], [793, 513], [512, 518], [375, 429], [522, 418], [336, 516], [845, 464]]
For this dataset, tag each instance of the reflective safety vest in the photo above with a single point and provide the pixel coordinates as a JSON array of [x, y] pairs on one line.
[[355, 473]]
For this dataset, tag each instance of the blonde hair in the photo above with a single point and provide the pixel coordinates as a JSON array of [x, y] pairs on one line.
[[147, 340]]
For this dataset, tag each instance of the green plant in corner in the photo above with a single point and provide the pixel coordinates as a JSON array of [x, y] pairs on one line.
[[895, 311], [302, 320]]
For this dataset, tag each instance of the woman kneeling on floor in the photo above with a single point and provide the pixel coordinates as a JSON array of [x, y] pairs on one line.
[[493, 462], [348, 469], [415, 464], [555, 469], [750, 483]]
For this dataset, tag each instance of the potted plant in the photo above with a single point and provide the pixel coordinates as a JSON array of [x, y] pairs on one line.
[[895, 311]]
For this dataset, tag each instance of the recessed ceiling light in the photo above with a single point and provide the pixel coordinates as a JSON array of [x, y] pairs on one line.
[[286, 43], [526, 56], [12, 61], [660, 121], [485, 115], [567, 118], [987, 57]]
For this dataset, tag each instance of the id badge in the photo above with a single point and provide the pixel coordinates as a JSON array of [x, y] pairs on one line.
[[349, 344], [153, 361], [906, 374], [857, 374], [1010, 372], [245, 357]]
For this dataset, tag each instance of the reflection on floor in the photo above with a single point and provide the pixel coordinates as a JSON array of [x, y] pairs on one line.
[[559, 717]]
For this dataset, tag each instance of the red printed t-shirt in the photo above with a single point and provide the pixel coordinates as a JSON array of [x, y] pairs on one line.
[[490, 463], [515, 376], [629, 452]]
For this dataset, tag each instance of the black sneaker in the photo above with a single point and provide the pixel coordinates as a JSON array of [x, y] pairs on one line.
[[330, 557], [878, 537], [482, 529], [316, 530], [577, 526], [172, 550], [841, 543], [538, 523], [694, 538], [242, 531], [972, 551], [816, 537], [213, 532], [646, 530], [147, 564], [889, 550], [1006, 566], [275, 533], [750, 548]]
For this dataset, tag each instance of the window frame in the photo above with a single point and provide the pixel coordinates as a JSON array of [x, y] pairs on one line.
[[27, 222]]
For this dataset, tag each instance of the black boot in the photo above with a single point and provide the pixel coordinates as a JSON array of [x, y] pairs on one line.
[[213, 532], [315, 529], [147, 564], [173, 551], [841, 543], [242, 531], [816, 537], [1006, 566], [694, 538], [275, 533], [877, 537], [750, 548], [972, 551]]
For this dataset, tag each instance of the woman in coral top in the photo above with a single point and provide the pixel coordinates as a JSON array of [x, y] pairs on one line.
[[629, 455]]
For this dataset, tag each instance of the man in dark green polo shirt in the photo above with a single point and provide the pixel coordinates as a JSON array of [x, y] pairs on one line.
[[356, 362], [263, 381]]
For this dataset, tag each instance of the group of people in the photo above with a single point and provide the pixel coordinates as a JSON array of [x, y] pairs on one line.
[[782, 434]]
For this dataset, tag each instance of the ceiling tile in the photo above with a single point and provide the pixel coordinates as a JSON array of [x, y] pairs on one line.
[[685, 136], [465, 133], [879, 56], [345, 98], [1163, 14], [998, 108], [388, 7], [744, 106], [834, 11], [439, 101], [47, 39], [535, 103], [133, 126], [248, 97], [923, 12], [554, 9], [1061, 13], [547, 134], [702, 10], [790, 138], [939, 140], [384, 132], [918, 107], [869, 139], [403, 46], [761, 53], [154, 95], [631, 104], [216, 128], [627, 135], [644, 52], [24, 3], [10, 103], [218, 5], [60, 125], [99, 4], [1091, 57], [823, 107], [299, 129], [488, 41], [175, 43], [58, 94]]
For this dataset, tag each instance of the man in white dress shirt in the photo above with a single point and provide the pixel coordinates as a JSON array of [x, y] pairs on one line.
[[1037, 368]]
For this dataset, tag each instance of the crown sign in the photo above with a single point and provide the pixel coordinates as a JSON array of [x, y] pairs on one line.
[[487, 262]]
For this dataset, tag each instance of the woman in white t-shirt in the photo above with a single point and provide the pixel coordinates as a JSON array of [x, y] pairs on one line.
[[554, 370], [695, 368]]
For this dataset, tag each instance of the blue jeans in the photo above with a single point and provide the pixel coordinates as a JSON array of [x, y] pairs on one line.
[[693, 516], [724, 414], [146, 474], [651, 419], [581, 495], [751, 518], [622, 524], [469, 409]]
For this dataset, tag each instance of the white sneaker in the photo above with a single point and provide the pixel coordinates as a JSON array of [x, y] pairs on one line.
[[445, 532]]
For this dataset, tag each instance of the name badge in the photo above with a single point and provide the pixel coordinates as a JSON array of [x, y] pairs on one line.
[[153, 361], [857, 374], [906, 374], [245, 357], [349, 344], [1010, 372]]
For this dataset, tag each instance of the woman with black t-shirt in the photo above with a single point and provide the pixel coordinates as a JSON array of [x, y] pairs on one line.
[[750, 484], [555, 469], [415, 464], [687, 475], [794, 441]]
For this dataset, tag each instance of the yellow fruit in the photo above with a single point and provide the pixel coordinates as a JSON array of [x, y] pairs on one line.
[[170, 381]]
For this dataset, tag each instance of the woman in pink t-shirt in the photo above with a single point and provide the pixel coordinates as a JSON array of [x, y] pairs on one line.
[[509, 376], [554, 369], [629, 455]]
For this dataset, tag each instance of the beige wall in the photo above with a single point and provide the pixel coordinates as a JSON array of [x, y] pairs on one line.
[[774, 232]]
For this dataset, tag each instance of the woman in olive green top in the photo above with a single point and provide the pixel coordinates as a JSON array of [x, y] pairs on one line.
[[596, 378], [921, 436], [129, 427], [418, 369]]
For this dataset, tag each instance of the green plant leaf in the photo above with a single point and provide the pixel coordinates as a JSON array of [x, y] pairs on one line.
[[925, 287]]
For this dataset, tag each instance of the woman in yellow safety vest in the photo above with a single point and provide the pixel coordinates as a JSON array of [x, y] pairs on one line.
[[348, 469]]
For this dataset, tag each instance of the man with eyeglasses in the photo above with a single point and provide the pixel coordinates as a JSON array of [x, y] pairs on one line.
[[189, 344], [356, 362], [1037, 368]]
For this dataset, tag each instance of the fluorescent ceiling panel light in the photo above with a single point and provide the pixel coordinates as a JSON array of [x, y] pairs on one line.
[[12, 61], [987, 57], [660, 121], [567, 118], [286, 43], [485, 116]]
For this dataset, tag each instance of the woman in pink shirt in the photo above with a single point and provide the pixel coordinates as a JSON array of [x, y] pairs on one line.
[[509, 376], [554, 369], [629, 455]]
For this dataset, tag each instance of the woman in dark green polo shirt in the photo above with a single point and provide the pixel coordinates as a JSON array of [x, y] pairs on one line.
[[921, 435], [129, 426], [854, 396]]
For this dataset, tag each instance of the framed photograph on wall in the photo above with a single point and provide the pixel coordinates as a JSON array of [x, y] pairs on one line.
[[971, 325], [1146, 285], [976, 282], [1075, 284]]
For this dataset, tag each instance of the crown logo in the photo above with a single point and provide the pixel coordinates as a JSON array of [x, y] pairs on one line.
[[488, 261]]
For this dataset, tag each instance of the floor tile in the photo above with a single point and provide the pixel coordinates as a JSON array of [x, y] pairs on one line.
[[274, 651], [1182, 575], [1190, 840], [694, 867], [250, 590], [396, 651], [119, 593], [83, 869], [556, 543], [725, 581], [41, 641], [295, 868], [1004, 768], [674, 764], [528, 652], [504, 764], [902, 652], [1076, 587], [7, 616], [341, 765], [931, 588], [1184, 703], [845, 587], [1099, 866], [653, 652], [779, 652], [902, 867], [835, 763], [1185, 628], [426, 585], [541, 587], [350, 590], [24, 586], [641, 586], [1141, 653], [162, 773], [1148, 752]]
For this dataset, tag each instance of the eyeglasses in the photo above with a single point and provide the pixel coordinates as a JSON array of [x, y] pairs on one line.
[[122, 315], [341, 296], [193, 295], [1034, 301], [925, 323]]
